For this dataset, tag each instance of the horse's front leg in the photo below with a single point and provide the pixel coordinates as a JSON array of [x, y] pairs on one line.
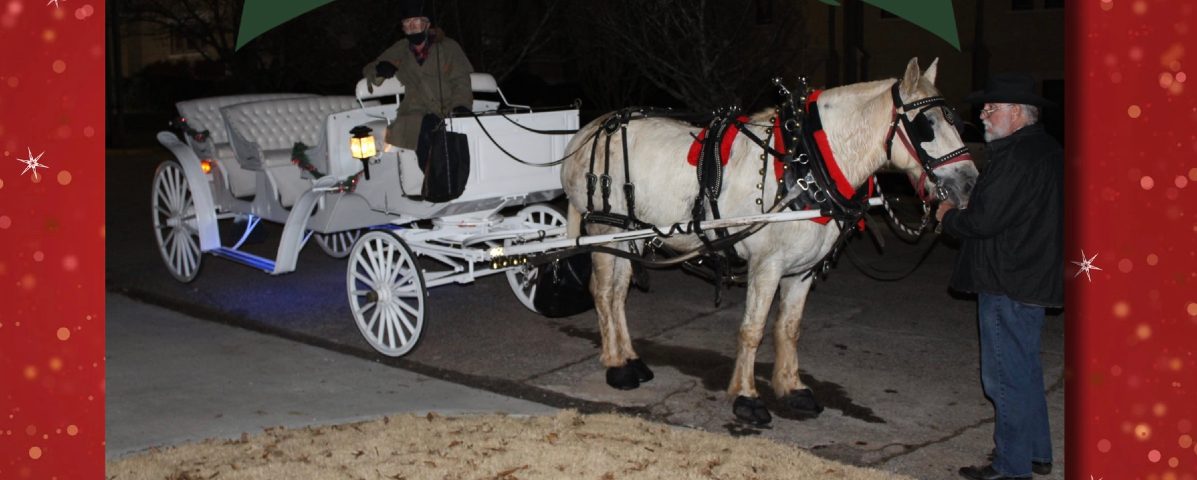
[[609, 285], [762, 285], [786, 384]]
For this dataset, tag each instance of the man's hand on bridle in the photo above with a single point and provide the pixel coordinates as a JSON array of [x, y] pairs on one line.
[[944, 206]]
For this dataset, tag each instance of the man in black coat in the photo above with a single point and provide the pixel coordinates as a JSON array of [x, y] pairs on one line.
[[1012, 257]]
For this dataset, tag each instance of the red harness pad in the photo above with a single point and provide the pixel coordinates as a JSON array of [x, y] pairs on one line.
[[725, 144], [779, 144]]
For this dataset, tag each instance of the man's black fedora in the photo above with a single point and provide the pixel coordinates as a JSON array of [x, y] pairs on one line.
[[1009, 88]]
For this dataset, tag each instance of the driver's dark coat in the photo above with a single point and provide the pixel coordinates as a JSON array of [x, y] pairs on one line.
[[1013, 229]]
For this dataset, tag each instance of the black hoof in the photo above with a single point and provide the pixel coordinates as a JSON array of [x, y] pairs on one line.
[[802, 401], [643, 373], [751, 410], [623, 378]]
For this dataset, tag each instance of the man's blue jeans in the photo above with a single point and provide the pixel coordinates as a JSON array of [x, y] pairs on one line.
[[1012, 376]]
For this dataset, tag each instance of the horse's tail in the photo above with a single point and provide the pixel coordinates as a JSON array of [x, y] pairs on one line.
[[574, 225]]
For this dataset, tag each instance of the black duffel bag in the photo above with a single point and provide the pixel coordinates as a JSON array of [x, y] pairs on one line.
[[563, 287], [444, 157]]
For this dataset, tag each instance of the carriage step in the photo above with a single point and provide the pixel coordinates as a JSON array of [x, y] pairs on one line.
[[248, 259]]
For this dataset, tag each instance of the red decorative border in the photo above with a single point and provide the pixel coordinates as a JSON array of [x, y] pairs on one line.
[[1132, 182], [52, 239], [1133, 205]]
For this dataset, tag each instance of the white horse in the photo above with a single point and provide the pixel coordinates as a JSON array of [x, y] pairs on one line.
[[856, 119]]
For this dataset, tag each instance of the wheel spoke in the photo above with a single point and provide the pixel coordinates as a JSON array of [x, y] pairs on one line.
[[409, 309], [389, 261], [366, 266], [185, 253], [373, 318], [392, 325], [176, 256], [375, 250], [176, 188], [165, 201], [405, 286], [406, 322], [367, 281], [382, 324], [396, 317]]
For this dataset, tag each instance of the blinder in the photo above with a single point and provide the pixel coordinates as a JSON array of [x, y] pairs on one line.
[[920, 130]]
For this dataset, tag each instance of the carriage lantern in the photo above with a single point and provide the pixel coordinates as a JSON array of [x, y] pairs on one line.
[[361, 146]]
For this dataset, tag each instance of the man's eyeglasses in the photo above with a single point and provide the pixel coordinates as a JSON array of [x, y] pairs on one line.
[[990, 110]]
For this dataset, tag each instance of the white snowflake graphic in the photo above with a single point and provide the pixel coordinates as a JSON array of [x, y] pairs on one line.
[[32, 163], [1086, 265], [55, 2]]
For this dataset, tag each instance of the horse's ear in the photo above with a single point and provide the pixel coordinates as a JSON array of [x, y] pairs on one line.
[[910, 80], [929, 73]]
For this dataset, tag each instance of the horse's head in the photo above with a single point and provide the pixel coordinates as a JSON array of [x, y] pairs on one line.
[[924, 141]]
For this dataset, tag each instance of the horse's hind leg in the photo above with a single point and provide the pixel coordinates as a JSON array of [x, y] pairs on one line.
[[762, 285], [786, 384], [609, 285]]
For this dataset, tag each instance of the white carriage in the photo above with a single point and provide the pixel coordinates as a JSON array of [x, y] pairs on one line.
[[236, 162]]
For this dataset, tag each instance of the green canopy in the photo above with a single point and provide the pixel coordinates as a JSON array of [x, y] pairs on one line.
[[259, 16], [935, 16]]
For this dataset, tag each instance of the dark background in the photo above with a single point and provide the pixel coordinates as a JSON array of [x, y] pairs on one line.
[[696, 55]]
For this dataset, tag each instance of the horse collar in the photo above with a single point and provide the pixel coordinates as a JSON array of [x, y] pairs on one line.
[[818, 173]]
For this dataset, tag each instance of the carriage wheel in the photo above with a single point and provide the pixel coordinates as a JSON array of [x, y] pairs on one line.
[[523, 282], [175, 227], [337, 244], [387, 293]]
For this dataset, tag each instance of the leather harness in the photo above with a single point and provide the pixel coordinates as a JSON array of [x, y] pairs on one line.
[[802, 159]]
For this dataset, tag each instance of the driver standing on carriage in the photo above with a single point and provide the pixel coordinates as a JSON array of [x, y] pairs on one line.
[[1012, 257], [432, 68]]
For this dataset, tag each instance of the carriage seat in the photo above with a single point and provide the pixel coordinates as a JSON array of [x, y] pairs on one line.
[[263, 134], [391, 87], [204, 114]]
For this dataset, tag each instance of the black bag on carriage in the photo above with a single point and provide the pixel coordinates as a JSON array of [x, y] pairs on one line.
[[444, 157], [563, 287]]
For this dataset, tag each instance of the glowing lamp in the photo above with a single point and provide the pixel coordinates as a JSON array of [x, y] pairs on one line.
[[361, 146], [206, 165]]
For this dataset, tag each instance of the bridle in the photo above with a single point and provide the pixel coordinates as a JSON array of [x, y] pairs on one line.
[[919, 129]]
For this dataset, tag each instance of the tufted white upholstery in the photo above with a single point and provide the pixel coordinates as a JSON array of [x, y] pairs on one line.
[[263, 133], [204, 113]]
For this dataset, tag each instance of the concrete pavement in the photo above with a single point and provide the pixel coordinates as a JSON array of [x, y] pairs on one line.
[[173, 379]]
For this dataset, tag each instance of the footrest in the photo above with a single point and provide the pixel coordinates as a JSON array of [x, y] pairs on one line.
[[247, 259]]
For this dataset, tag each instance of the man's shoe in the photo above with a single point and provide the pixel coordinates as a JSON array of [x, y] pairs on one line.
[[1040, 468], [984, 473]]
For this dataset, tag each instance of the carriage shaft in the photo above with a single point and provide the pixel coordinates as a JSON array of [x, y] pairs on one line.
[[540, 247]]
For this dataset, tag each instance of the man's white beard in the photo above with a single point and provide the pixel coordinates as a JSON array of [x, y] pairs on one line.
[[993, 132]]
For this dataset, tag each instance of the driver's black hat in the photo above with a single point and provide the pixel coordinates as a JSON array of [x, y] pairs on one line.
[[415, 8]]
